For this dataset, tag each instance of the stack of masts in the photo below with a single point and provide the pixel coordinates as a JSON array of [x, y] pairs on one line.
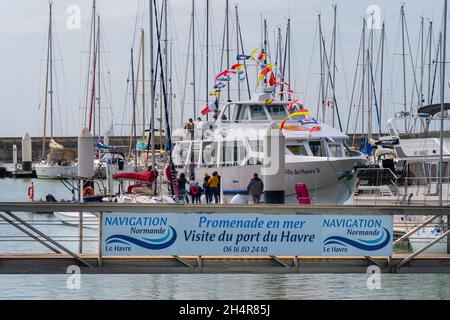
[[327, 76], [368, 89]]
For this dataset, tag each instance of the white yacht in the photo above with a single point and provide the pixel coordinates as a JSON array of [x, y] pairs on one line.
[[316, 154]]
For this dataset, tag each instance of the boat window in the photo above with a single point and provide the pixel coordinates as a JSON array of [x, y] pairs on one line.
[[277, 112], [241, 151], [316, 148], [335, 150], [257, 145], [298, 150], [209, 157], [181, 153], [253, 161], [258, 113], [195, 154], [228, 153], [243, 113]]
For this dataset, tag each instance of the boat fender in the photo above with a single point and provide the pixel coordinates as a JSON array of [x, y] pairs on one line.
[[239, 199]]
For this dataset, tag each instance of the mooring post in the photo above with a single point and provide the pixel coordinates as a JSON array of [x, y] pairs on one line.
[[86, 154], [15, 156], [273, 171], [80, 234], [27, 152], [100, 240]]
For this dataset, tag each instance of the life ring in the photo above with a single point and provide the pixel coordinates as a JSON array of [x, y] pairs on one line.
[[30, 192], [88, 192]]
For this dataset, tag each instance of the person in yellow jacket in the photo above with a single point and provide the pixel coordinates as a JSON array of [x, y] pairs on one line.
[[213, 184]]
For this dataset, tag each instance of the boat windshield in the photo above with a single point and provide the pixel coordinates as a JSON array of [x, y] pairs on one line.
[[277, 112], [258, 113]]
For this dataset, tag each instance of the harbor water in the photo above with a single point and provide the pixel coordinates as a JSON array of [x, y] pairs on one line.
[[207, 286]]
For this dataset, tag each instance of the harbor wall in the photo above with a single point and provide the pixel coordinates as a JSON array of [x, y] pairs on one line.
[[6, 146]]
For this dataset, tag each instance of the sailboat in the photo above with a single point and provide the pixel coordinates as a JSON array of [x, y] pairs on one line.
[[60, 162]]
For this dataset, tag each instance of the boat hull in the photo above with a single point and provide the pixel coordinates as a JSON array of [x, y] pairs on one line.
[[330, 181], [44, 171]]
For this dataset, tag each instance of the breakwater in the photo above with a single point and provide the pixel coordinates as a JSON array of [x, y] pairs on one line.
[[120, 143]]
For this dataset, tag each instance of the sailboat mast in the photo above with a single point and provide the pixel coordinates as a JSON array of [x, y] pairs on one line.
[[194, 97], [404, 63], [134, 111], [143, 81], [227, 19], [334, 61], [152, 91], [430, 59], [94, 42], [47, 80], [322, 80], [207, 56], [369, 82], [441, 138], [383, 34], [422, 61], [98, 79], [51, 69], [166, 48], [238, 50]]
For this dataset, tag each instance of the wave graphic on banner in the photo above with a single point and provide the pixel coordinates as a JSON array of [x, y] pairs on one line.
[[372, 245], [150, 244]]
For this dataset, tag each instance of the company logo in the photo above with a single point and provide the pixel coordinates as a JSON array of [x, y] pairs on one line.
[[146, 243], [367, 245]]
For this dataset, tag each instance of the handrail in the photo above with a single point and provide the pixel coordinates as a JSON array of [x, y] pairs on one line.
[[228, 209]]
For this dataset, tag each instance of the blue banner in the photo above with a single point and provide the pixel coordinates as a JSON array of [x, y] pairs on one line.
[[246, 235]]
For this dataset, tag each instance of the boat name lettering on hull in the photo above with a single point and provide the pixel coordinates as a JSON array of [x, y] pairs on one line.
[[302, 171]]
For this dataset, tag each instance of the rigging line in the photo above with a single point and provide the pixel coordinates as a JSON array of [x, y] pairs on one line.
[[375, 97], [343, 63], [354, 83], [309, 74], [416, 87], [436, 67], [332, 83], [245, 62], [183, 99], [222, 55], [168, 132]]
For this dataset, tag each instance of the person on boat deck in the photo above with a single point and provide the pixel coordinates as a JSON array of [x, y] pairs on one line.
[[216, 115], [213, 183], [182, 188], [206, 188], [190, 127], [195, 190], [255, 188], [219, 184]]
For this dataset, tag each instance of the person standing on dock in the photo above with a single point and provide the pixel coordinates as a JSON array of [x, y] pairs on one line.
[[30, 191], [255, 188], [219, 184], [213, 183], [206, 188], [195, 191], [182, 188]]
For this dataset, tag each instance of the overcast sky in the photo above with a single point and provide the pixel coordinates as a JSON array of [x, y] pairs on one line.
[[23, 33]]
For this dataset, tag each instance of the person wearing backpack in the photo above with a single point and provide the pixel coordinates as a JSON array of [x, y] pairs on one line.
[[195, 190]]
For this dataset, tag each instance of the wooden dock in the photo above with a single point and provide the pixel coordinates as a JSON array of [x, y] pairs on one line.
[[58, 264], [94, 263]]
